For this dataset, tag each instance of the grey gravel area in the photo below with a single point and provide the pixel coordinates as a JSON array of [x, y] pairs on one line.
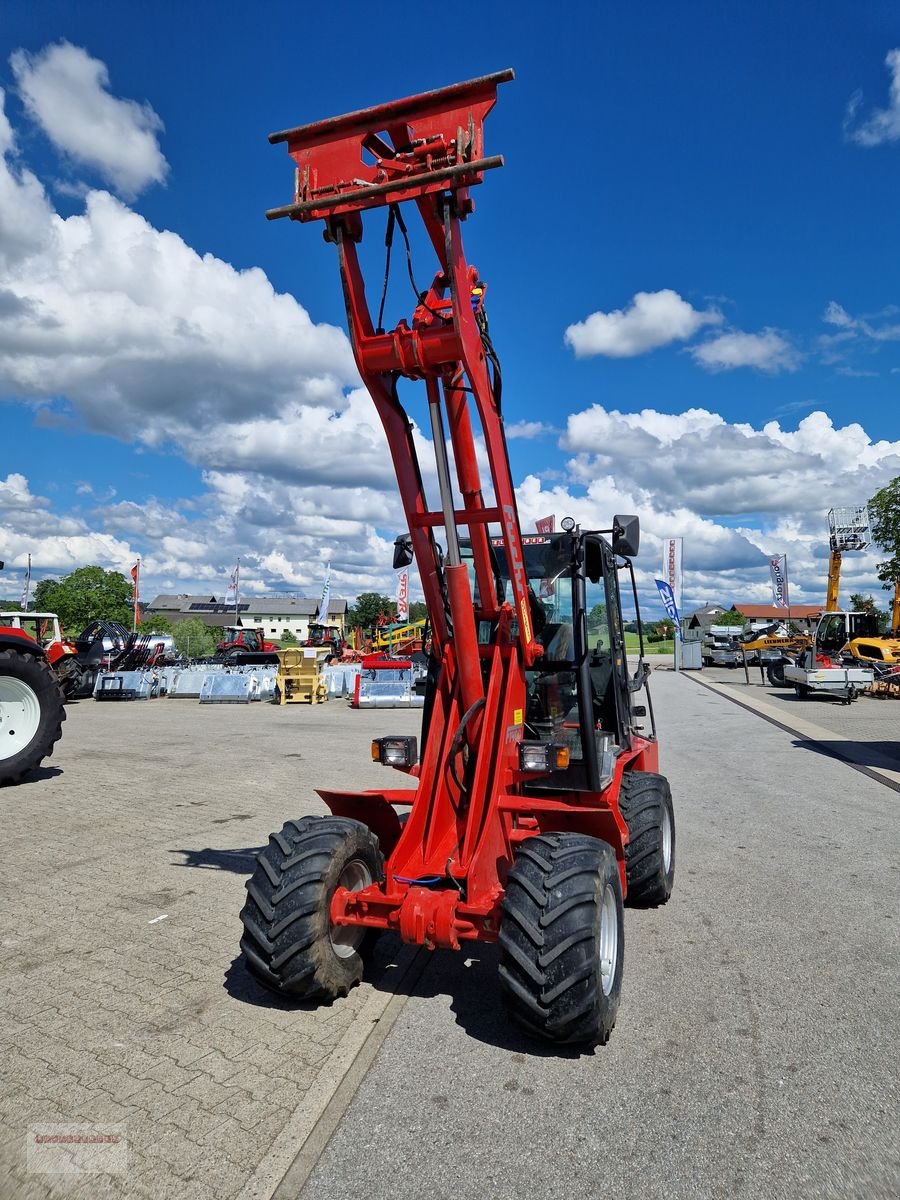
[[756, 1051]]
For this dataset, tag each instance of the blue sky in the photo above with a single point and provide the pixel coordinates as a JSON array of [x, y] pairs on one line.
[[690, 255]]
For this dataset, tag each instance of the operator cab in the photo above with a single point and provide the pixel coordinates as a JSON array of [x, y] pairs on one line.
[[579, 694]]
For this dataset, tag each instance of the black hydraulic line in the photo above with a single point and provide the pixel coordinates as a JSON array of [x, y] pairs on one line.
[[389, 242], [457, 738]]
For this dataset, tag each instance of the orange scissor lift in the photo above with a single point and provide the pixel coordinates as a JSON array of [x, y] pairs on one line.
[[538, 805]]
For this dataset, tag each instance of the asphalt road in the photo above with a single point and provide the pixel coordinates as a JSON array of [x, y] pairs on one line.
[[756, 1047]]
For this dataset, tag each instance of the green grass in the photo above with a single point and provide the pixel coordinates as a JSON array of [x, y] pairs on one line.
[[632, 644]]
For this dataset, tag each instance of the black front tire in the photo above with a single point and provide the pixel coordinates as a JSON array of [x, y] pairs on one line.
[[775, 674], [562, 938], [289, 942], [645, 801], [27, 683]]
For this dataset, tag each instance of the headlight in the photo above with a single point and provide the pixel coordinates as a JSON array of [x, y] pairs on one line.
[[395, 751], [542, 756]]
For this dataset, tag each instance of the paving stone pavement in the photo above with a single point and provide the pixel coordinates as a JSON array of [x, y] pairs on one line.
[[871, 721], [122, 996]]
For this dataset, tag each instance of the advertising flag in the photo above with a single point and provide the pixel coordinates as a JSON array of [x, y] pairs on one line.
[[671, 565], [323, 603], [233, 589], [668, 598], [136, 592], [403, 596], [26, 586], [778, 572], [546, 524]]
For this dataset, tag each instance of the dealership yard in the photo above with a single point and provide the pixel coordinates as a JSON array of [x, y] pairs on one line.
[[756, 1048]]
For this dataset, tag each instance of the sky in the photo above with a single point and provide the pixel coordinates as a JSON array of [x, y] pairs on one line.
[[691, 255]]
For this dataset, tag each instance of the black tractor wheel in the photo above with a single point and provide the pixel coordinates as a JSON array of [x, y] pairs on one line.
[[645, 801], [802, 691], [775, 674], [31, 713], [562, 941], [289, 942]]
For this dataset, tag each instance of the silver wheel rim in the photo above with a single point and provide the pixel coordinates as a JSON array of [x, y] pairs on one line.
[[666, 840], [609, 939], [346, 939], [20, 716]]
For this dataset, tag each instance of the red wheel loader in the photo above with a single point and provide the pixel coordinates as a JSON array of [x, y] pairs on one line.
[[538, 805]]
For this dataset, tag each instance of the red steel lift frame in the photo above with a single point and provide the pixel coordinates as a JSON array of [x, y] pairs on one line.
[[446, 868]]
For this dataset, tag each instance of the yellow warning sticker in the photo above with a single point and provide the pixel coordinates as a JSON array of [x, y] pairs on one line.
[[517, 716]]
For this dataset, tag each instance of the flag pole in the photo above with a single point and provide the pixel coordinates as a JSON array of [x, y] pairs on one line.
[[237, 588], [136, 598], [27, 585]]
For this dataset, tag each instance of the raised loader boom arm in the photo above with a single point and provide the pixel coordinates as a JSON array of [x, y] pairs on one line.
[[428, 150]]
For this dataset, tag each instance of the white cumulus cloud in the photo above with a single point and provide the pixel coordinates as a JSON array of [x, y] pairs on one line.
[[767, 351], [653, 319], [65, 91], [882, 124]]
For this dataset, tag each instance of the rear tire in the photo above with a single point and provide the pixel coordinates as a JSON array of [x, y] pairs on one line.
[[775, 675], [31, 713], [645, 801], [562, 938], [289, 942]]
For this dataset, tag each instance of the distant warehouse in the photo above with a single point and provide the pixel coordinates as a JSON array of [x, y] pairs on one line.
[[274, 614]]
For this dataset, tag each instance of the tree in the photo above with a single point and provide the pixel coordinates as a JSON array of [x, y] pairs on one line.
[[193, 639], [154, 624], [861, 603], [87, 594], [729, 618], [288, 639], [368, 608], [884, 518], [417, 611]]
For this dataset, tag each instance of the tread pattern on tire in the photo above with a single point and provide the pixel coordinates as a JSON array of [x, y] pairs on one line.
[[286, 919], [41, 678], [549, 968], [641, 800]]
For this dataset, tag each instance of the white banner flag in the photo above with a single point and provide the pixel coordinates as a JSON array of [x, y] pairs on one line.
[[233, 589], [26, 586], [403, 596], [778, 572], [671, 566], [323, 603]]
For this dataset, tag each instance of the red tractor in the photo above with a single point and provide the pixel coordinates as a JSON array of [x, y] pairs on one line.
[[538, 806], [31, 705], [321, 636], [238, 642]]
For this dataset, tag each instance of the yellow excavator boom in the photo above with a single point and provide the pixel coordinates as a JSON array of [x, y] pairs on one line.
[[834, 581]]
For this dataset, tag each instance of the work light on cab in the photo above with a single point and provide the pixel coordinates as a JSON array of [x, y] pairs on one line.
[[395, 751], [543, 756]]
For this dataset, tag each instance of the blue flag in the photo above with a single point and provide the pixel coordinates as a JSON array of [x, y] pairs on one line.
[[668, 598]]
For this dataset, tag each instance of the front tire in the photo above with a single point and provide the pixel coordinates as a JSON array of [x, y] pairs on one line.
[[775, 674], [562, 938], [645, 801], [31, 713], [289, 942]]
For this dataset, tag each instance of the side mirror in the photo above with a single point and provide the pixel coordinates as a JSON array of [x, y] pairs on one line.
[[626, 536], [403, 551]]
